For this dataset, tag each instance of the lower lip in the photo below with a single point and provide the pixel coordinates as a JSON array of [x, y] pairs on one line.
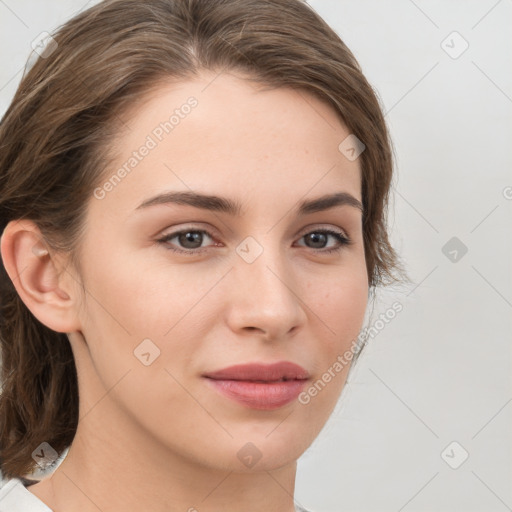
[[260, 395]]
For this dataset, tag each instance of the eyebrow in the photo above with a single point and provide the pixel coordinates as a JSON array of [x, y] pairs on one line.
[[225, 205]]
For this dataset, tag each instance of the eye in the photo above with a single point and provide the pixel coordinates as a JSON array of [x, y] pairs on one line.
[[190, 240], [318, 240]]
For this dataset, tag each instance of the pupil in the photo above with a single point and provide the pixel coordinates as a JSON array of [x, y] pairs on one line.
[[318, 238], [191, 239]]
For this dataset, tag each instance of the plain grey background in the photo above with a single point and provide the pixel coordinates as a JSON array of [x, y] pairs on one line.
[[425, 421]]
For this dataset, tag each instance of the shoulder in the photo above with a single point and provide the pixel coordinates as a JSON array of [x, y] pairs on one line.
[[15, 497], [298, 508]]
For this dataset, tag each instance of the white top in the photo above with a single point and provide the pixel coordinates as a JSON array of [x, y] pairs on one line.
[[15, 497]]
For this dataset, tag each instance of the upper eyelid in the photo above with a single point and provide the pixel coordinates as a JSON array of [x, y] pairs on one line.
[[208, 231], [323, 227], [306, 229]]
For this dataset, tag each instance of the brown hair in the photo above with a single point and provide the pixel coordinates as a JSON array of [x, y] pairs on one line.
[[55, 136]]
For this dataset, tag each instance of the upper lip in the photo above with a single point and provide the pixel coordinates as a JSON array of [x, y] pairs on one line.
[[283, 370]]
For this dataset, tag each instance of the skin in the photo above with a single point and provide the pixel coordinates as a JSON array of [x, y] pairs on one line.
[[157, 437]]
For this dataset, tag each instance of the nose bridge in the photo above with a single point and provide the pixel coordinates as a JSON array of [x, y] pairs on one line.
[[265, 296], [263, 266]]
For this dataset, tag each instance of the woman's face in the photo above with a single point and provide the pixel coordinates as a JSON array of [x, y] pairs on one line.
[[181, 289]]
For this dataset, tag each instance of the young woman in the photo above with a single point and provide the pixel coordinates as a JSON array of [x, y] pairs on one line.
[[193, 215]]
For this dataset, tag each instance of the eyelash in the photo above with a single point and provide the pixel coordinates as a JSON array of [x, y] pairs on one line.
[[343, 241]]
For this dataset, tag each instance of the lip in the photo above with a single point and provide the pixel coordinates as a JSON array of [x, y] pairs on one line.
[[260, 386]]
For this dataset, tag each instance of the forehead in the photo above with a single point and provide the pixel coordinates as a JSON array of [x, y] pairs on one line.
[[221, 134]]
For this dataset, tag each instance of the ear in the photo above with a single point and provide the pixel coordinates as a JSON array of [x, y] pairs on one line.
[[34, 271]]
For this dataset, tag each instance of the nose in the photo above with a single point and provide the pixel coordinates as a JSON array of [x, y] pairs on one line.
[[265, 297]]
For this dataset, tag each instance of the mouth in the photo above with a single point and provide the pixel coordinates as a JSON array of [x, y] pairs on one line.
[[260, 386]]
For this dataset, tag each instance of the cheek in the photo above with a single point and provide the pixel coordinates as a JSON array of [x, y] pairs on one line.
[[129, 302], [133, 296], [341, 304]]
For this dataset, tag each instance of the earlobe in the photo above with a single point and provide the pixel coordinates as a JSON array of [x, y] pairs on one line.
[[34, 272]]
